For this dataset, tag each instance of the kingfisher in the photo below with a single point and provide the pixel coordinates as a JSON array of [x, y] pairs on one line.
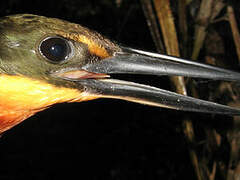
[[45, 61]]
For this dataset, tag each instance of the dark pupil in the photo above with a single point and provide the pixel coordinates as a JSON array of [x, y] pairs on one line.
[[55, 49]]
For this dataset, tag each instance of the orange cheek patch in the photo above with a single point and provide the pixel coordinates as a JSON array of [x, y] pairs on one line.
[[21, 97], [93, 47]]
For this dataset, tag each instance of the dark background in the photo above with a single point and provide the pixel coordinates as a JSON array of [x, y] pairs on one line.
[[101, 139]]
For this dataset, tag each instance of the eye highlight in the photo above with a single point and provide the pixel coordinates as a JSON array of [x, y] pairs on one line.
[[56, 49]]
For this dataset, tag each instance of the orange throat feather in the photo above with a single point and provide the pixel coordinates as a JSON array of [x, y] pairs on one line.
[[22, 97]]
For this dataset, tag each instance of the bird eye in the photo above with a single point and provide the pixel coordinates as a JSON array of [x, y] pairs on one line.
[[56, 49]]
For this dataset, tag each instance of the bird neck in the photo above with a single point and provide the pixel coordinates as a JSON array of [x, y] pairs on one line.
[[22, 97]]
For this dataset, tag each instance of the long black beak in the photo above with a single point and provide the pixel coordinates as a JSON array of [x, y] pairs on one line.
[[132, 61]]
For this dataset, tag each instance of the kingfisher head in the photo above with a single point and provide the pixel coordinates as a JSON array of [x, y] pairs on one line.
[[44, 61]]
